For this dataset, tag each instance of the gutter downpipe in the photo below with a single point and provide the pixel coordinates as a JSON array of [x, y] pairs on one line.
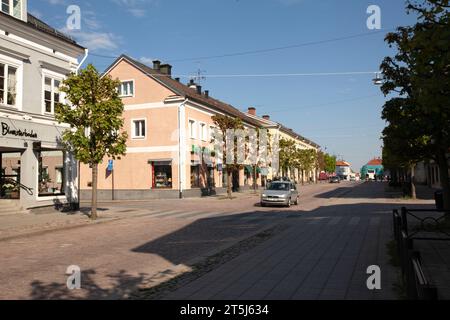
[[78, 205], [180, 141]]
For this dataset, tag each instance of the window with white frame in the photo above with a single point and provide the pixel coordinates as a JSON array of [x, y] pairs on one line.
[[8, 84], [203, 131], [126, 89], [12, 7], [211, 133], [139, 128], [52, 94], [192, 129]]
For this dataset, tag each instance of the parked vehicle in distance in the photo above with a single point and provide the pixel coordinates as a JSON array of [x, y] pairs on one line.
[[323, 176], [371, 175], [282, 193], [335, 179]]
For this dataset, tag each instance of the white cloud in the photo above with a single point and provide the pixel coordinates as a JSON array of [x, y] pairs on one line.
[[137, 8], [97, 40]]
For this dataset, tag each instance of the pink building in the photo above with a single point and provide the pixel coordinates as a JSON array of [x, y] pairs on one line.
[[168, 123]]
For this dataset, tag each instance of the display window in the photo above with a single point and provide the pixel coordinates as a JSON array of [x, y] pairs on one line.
[[162, 174]]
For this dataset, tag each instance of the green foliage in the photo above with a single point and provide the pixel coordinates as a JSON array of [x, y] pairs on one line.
[[94, 115], [419, 74], [330, 163], [292, 157], [225, 123], [288, 153]]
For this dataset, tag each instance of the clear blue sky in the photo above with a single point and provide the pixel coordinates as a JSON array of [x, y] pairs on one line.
[[341, 113]]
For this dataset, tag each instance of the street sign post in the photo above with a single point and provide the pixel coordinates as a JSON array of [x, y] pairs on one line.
[[111, 169]]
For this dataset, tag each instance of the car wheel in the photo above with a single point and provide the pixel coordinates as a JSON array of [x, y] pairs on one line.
[[289, 203]]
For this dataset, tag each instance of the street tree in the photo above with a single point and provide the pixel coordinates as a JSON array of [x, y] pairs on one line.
[[330, 163], [419, 73], [224, 123], [288, 156], [94, 113]]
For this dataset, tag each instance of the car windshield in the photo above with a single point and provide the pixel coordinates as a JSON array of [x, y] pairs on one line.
[[279, 186]]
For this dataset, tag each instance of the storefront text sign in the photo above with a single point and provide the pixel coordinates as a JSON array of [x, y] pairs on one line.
[[6, 131]]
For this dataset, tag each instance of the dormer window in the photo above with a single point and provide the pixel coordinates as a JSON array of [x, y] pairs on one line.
[[12, 7]]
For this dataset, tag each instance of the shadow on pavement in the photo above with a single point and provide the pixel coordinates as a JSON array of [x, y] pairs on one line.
[[202, 236], [123, 285]]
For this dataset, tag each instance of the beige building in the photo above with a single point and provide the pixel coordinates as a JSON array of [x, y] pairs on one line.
[[301, 143]]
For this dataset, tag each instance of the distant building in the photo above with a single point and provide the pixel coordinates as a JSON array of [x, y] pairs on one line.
[[343, 170], [373, 169]]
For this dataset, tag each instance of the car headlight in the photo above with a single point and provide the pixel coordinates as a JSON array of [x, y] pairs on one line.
[[264, 195], [284, 196]]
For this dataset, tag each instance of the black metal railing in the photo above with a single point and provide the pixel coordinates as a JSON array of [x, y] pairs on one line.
[[5, 180], [418, 286]]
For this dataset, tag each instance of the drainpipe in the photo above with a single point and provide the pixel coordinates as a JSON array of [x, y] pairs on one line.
[[180, 141], [86, 54], [78, 205]]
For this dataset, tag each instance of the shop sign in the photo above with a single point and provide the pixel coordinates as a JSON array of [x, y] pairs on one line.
[[6, 131]]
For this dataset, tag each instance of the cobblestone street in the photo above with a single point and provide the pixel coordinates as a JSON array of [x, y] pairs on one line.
[[321, 250]]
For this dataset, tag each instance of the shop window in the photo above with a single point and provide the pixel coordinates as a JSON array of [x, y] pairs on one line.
[[8, 84], [195, 176], [51, 173], [162, 174]]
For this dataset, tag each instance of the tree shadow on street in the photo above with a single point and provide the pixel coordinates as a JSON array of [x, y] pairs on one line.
[[122, 287]]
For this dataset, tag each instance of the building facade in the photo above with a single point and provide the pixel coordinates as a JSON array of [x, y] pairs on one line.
[[170, 126], [343, 170], [34, 60]]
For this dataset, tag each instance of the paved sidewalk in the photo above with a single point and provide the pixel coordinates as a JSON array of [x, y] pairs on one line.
[[323, 255]]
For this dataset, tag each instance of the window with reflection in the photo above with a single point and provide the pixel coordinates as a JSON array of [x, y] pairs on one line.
[[51, 173]]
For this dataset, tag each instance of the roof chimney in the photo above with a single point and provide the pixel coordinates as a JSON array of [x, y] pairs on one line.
[[207, 93], [156, 64], [199, 89], [166, 69], [192, 84], [266, 117], [252, 111], [177, 79]]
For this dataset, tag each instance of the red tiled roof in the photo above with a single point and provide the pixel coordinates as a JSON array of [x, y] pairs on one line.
[[184, 90], [342, 164], [375, 162]]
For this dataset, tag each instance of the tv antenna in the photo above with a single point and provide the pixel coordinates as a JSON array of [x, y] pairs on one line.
[[199, 76]]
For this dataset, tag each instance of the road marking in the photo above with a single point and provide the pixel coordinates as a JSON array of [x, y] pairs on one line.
[[334, 221], [354, 221], [317, 220], [195, 214], [167, 213]]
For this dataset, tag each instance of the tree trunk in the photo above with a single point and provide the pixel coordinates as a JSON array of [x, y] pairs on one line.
[[255, 183], [229, 182], [303, 177], [94, 192], [443, 174], [413, 184]]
